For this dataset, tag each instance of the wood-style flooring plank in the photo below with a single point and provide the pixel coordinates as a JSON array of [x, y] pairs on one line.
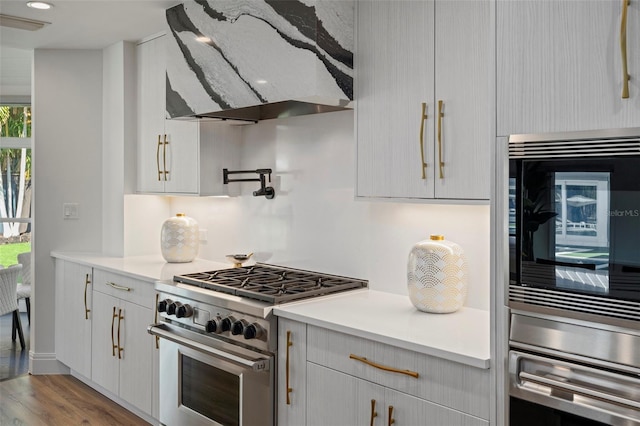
[[58, 400]]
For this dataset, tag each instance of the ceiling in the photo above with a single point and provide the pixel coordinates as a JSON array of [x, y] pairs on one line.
[[74, 24]]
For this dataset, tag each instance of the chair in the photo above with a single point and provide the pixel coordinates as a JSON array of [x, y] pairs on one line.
[[9, 299], [24, 289]]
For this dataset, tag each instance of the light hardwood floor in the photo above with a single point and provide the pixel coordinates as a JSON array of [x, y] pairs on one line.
[[58, 400]]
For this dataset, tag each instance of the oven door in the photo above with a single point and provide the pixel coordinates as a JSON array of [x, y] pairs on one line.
[[546, 390], [207, 382]]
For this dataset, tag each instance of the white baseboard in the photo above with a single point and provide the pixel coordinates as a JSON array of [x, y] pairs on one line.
[[46, 363]]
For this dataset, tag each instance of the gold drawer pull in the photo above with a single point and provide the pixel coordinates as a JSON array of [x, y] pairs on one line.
[[390, 419], [113, 342], [384, 367], [289, 390], [164, 157], [422, 120], [440, 115], [120, 348], [374, 413], [623, 50], [118, 287], [87, 281], [158, 158]]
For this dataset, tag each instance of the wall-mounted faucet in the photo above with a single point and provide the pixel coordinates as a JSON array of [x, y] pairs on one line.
[[265, 190]]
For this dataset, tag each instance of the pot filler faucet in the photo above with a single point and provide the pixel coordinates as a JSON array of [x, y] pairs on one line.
[[265, 190]]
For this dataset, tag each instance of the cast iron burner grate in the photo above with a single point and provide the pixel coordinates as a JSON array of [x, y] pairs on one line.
[[270, 283]]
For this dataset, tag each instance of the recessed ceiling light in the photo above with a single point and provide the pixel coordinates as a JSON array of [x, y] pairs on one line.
[[261, 81], [203, 39], [39, 5]]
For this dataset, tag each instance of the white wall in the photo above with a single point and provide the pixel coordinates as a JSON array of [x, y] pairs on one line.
[[314, 222], [67, 167], [118, 135]]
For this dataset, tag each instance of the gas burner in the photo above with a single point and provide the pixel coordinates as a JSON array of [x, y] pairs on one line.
[[270, 283]]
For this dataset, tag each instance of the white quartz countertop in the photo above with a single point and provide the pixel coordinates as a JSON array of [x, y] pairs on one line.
[[148, 268], [462, 336]]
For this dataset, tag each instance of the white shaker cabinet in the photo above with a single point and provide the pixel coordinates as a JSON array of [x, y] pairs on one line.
[[177, 156], [423, 109], [74, 315], [122, 350], [559, 65]]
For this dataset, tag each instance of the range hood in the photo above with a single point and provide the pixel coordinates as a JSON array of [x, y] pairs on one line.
[[259, 59]]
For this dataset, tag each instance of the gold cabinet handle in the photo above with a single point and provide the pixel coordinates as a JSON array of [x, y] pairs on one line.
[[423, 118], [87, 281], [623, 49], [155, 319], [384, 367], [289, 390], [390, 419], [118, 287], [158, 158], [113, 343], [440, 115], [120, 348], [374, 413], [164, 157]]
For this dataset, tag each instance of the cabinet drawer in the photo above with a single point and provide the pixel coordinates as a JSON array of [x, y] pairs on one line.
[[451, 384], [123, 287]]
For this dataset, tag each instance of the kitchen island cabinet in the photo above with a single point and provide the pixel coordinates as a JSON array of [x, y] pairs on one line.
[[559, 66], [423, 98], [339, 343], [177, 156], [74, 290]]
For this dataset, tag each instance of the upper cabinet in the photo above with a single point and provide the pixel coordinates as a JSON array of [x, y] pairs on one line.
[[174, 156], [228, 59], [560, 65], [423, 104]]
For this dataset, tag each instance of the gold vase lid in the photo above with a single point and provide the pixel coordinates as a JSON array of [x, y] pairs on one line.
[[436, 237]]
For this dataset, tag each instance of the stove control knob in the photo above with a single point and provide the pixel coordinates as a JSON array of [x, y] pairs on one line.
[[253, 331], [184, 311], [162, 306], [173, 307], [214, 325], [227, 323], [238, 327]]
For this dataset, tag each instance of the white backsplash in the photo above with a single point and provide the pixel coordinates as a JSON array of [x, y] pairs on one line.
[[315, 223]]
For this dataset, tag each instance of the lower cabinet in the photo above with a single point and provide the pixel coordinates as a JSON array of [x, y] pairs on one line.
[[74, 315], [338, 398], [336, 378], [122, 351]]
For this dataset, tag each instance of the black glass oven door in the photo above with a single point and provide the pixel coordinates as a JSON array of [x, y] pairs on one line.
[[575, 225]]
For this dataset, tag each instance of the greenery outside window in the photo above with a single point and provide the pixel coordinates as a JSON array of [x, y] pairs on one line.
[[15, 182]]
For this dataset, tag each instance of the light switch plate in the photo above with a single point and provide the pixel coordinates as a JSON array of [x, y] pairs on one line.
[[70, 211]]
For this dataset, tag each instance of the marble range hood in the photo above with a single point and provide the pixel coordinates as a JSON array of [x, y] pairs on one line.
[[252, 60]]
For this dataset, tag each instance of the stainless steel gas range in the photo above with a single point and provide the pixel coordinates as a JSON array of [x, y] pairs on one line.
[[218, 340]]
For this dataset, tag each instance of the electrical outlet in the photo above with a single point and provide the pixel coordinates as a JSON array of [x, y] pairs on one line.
[[70, 211]]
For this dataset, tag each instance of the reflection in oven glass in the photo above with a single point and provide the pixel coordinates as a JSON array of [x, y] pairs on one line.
[[212, 392]]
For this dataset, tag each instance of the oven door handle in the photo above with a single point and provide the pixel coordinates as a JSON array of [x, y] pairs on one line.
[[164, 332], [579, 390]]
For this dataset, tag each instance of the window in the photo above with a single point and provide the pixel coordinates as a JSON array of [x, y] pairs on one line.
[[15, 181]]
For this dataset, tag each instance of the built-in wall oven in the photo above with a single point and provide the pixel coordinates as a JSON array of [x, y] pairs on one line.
[[574, 278]]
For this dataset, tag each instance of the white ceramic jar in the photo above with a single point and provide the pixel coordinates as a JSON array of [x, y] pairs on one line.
[[437, 275], [179, 239]]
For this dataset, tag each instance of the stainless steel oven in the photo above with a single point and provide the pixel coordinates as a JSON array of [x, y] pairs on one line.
[[218, 341], [574, 278], [574, 224], [570, 373], [207, 382]]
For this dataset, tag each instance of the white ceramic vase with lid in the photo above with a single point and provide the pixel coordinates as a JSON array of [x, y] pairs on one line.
[[179, 239], [437, 275]]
